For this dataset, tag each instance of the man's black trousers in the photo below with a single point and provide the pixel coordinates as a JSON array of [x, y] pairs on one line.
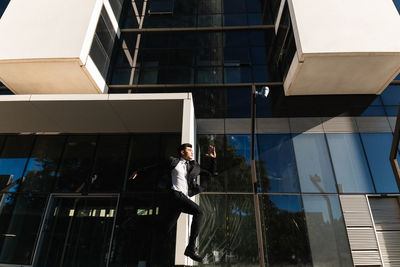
[[180, 203]]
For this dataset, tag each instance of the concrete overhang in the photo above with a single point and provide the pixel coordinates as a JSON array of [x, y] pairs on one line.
[[114, 113], [47, 44], [343, 47]]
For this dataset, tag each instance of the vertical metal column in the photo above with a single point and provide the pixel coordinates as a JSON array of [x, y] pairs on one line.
[[254, 178]]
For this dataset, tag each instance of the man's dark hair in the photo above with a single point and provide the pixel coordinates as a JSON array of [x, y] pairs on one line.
[[183, 147]]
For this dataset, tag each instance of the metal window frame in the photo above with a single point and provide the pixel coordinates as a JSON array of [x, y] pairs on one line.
[[394, 151]]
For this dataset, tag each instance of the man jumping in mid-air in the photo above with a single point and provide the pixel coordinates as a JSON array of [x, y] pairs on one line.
[[183, 172]]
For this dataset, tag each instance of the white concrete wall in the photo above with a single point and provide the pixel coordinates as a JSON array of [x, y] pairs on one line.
[[343, 46], [346, 26], [43, 29]]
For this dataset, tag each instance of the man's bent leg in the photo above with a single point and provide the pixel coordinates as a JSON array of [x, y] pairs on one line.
[[190, 207]]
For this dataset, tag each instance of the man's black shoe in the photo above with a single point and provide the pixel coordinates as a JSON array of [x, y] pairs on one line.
[[192, 253]]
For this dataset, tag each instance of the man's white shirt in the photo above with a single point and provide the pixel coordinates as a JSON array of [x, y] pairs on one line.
[[179, 177]]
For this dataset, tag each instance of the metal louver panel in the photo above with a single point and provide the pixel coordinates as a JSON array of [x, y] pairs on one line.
[[389, 242], [366, 258], [355, 210], [386, 213], [360, 230], [362, 239]]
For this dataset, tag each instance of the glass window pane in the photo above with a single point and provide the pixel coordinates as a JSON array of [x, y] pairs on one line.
[[235, 20], [209, 20], [149, 150], [240, 74], [109, 169], [139, 238], [254, 19], [326, 231], [237, 163], [284, 231], [76, 163], [209, 102], [78, 232], [238, 102], [349, 163], [209, 75], [276, 169], [391, 95], [313, 164], [43, 163], [260, 74], [161, 6], [20, 217], [214, 183], [377, 147], [258, 55], [234, 6], [233, 163], [228, 234], [14, 156]]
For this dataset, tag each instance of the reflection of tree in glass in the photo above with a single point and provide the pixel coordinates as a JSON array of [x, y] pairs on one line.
[[284, 234], [40, 178], [228, 234], [234, 170]]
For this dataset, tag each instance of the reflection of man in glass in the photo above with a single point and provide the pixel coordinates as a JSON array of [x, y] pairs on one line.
[[183, 172]]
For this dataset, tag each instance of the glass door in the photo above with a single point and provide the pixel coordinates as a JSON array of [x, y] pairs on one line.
[[77, 231]]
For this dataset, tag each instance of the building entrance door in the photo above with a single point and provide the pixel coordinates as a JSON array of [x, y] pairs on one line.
[[77, 230]]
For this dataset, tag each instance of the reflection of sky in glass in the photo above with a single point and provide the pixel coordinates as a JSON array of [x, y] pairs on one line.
[[242, 143], [276, 152], [289, 203], [14, 166], [377, 147]]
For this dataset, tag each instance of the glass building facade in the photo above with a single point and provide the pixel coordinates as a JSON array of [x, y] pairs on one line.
[[65, 199]]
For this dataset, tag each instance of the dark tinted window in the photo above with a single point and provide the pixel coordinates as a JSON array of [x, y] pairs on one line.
[[161, 6], [43, 163], [284, 231], [20, 217], [14, 156]]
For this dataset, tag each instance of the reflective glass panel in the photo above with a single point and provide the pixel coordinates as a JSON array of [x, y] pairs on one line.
[[284, 231], [326, 231], [228, 234], [43, 163], [20, 217], [233, 163], [139, 237], [350, 164], [238, 102], [109, 168], [14, 156], [150, 151], [78, 232], [377, 147], [161, 6], [76, 163], [214, 183], [276, 168], [391, 95], [313, 164], [237, 163]]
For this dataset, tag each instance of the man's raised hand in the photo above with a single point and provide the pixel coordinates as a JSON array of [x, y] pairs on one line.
[[211, 152]]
